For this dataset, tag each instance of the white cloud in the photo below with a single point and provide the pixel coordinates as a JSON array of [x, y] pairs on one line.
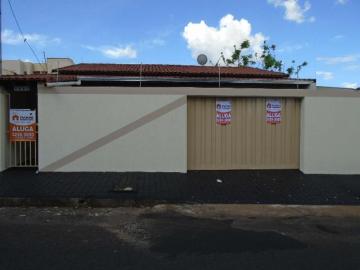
[[312, 19], [341, 2], [293, 47], [325, 75], [9, 37], [338, 37], [157, 42], [156, 39], [211, 41], [294, 11], [353, 67], [350, 85], [152, 43], [115, 52], [339, 59], [120, 52]]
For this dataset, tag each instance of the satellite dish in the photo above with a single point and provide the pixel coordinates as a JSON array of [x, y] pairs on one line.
[[202, 59]]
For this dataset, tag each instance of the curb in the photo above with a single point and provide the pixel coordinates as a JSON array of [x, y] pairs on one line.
[[75, 202], [263, 210], [78, 202]]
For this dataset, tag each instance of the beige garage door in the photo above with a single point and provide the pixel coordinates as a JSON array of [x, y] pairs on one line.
[[248, 142]]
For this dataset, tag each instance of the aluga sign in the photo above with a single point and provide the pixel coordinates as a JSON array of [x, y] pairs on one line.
[[273, 111], [223, 112], [22, 125]]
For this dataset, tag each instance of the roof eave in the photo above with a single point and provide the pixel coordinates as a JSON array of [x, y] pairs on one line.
[[197, 80]]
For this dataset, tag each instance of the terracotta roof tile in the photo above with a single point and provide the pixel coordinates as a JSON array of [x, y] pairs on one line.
[[169, 71]]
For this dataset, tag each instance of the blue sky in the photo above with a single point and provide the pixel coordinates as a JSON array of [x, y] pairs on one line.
[[324, 33]]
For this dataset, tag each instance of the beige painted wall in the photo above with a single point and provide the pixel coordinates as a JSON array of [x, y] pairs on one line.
[[55, 63], [3, 117], [11, 67], [68, 122], [330, 135]]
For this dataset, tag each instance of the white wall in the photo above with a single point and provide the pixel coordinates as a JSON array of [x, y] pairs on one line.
[[3, 127], [55, 63], [330, 135], [69, 122]]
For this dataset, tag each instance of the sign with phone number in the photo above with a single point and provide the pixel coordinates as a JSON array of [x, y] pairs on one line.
[[22, 126]]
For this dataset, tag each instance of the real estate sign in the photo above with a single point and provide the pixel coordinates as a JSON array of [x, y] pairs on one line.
[[223, 112], [22, 125], [273, 111]]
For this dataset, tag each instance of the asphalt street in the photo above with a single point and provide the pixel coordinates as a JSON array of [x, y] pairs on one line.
[[175, 238]]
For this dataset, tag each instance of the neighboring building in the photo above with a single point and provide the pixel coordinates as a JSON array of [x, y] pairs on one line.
[[18, 67], [170, 118]]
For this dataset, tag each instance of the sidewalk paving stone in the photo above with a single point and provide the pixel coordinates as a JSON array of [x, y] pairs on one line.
[[248, 187]]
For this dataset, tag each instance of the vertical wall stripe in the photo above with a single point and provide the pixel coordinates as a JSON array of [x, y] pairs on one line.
[[249, 142]]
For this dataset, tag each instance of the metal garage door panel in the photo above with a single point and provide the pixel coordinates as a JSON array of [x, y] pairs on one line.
[[249, 142]]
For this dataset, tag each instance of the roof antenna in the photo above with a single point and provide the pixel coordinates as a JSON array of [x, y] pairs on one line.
[[218, 62], [140, 84], [45, 61], [57, 71], [219, 77]]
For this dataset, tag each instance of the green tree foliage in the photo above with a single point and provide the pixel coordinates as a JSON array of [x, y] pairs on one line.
[[238, 58], [295, 70], [267, 59]]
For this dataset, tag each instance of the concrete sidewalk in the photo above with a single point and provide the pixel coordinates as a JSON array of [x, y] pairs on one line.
[[26, 188]]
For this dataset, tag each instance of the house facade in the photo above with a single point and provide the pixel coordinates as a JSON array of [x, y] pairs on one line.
[[168, 118]]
